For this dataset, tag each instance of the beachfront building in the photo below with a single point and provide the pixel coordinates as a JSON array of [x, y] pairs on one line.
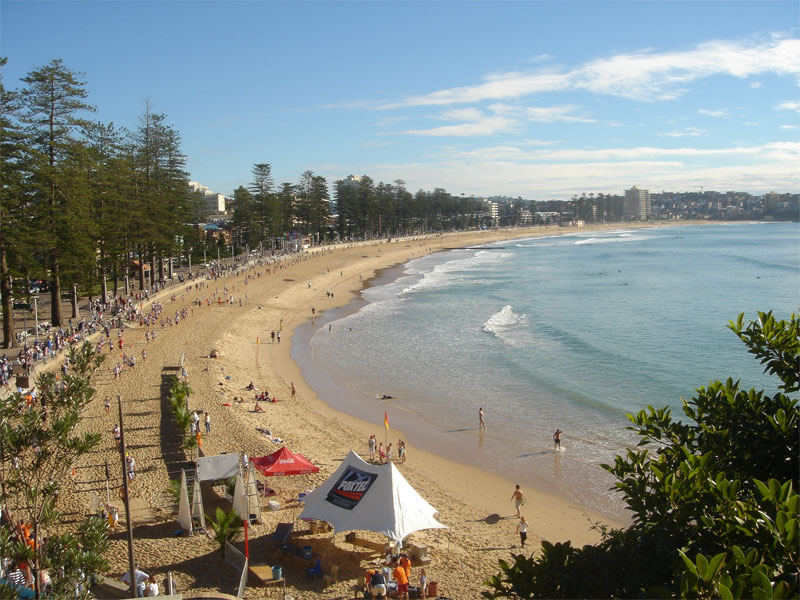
[[213, 204], [637, 204]]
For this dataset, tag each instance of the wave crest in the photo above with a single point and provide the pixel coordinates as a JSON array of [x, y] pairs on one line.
[[502, 323]]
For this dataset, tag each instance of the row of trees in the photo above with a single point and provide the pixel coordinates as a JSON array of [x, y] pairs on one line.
[[359, 209], [80, 199], [83, 202]]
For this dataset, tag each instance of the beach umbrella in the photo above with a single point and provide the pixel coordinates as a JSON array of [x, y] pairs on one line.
[[284, 462]]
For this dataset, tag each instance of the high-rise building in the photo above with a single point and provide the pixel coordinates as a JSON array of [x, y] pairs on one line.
[[637, 204]]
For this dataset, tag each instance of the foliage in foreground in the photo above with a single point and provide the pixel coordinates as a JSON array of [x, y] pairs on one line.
[[714, 497], [38, 446]]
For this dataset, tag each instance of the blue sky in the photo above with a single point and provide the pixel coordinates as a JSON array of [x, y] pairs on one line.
[[534, 99]]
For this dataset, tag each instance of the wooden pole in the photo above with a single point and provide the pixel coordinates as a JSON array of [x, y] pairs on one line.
[[126, 499]]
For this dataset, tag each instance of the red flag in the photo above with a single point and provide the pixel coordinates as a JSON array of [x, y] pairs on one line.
[[386, 419]]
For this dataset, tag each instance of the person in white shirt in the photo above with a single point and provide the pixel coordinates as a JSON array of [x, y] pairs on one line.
[[522, 527], [152, 587]]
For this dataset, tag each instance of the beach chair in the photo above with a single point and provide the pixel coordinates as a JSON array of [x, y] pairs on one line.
[[316, 570], [280, 537], [282, 533]]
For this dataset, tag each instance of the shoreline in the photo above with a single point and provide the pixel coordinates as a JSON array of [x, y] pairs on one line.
[[461, 446], [474, 504]]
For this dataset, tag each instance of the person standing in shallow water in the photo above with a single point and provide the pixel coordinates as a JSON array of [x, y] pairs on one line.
[[481, 424], [557, 440]]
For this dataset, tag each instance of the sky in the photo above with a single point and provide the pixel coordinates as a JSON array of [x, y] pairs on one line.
[[535, 99]]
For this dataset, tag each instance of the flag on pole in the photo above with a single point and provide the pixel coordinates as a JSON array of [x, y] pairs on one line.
[[386, 419]]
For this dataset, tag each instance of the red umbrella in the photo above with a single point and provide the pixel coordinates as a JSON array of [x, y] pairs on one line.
[[284, 462]]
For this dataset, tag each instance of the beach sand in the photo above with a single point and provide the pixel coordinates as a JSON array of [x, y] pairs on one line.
[[475, 505]]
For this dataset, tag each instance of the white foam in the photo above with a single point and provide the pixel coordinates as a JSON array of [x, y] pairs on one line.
[[448, 273], [504, 323], [623, 237]]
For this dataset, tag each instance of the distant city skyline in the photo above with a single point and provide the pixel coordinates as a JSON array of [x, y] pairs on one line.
[[534, 99]]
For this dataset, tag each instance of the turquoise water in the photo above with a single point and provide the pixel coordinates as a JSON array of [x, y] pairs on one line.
[[569, 332]]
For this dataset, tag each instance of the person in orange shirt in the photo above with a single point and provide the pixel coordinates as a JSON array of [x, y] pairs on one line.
[[401, 578], [406, 564]]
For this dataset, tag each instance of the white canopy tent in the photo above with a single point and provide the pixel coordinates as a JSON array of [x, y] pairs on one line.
[[362, 496]]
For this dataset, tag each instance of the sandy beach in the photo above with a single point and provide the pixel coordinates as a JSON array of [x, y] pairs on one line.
[[475, 505]]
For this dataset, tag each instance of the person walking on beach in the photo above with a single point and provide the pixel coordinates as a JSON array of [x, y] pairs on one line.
[[131, 462], [522, 528], [116, 434], [278, 335], [208, 422], [481, 424], [557, 440], [519, 498], [107, 404], [294, 392], [273, 337], [372, 444]]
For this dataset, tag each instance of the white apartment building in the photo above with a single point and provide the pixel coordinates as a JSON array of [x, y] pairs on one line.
[[214, 203]]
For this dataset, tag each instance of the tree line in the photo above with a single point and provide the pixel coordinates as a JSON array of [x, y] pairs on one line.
[[80, 199], [85, 203]]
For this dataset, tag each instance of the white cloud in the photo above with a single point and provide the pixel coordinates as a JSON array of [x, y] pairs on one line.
[[643, 75], [625, 154], [462, 114], [504, 118], [509, 170], [756, 84], [789, 105], [486, 125], [789, 127], [714, 113], [685, 132]]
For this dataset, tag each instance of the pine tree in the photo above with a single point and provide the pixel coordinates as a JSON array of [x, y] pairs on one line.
[[265, 212], [52, 101]]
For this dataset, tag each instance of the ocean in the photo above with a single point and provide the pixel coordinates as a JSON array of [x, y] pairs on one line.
[[570, 332]]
